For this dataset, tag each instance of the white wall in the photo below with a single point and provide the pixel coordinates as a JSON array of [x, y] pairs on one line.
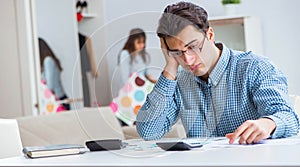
[[57, 25], [9, 59], [18, 94], [279, 19]]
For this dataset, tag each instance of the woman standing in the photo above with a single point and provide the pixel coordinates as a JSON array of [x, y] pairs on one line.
[[51, 69]]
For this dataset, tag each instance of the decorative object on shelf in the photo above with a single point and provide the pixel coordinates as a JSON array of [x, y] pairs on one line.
[[231, 6], [81, 8], [79, 16]]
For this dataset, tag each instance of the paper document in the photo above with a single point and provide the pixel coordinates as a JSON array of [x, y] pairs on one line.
[[224, 143]]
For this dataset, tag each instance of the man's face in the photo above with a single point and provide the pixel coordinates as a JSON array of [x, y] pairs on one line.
[[192, 50]]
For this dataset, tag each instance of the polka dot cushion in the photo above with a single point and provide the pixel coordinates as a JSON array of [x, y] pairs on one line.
[[130, 98]]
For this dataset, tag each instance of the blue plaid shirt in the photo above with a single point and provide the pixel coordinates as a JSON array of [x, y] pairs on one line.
[[242, 86]]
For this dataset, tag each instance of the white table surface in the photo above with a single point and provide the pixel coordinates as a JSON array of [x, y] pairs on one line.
[[142, 153]]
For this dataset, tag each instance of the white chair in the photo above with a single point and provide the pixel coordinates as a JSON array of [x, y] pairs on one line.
[[296, 103], [10, 144]]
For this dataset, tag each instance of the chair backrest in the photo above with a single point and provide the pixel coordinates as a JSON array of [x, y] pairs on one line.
[[70, 127], [10, 144]]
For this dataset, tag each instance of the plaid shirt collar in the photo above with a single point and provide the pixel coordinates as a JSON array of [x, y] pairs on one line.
[[218, 71]]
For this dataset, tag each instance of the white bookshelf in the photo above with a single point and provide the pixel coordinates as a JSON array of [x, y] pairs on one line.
[[238, 32]]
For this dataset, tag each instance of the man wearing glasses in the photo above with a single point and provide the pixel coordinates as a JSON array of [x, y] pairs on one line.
[[214, 90]]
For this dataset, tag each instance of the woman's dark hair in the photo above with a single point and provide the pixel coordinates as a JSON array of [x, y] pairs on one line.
[[177, 16], [45, 51], [135, 34]]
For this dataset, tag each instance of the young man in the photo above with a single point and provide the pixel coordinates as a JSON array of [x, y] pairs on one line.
[[219, 91]]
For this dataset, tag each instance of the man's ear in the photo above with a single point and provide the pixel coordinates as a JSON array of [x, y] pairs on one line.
[[210, 34]]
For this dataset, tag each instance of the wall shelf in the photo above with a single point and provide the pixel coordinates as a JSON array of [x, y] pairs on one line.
[[89, 15], [238, 32], [226, 20]]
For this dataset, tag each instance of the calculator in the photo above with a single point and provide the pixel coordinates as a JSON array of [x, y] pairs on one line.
[[178, 145]]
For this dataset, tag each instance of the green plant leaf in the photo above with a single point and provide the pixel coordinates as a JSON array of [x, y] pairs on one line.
[[224, 2]]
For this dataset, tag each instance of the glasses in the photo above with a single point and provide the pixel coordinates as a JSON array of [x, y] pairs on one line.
[[192, 49]]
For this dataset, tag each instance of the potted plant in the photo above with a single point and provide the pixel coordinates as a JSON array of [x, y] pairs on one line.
[[230, 6], [224, 2]]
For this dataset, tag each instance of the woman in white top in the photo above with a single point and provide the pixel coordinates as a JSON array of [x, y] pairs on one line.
[[133, 57], [51, 70]]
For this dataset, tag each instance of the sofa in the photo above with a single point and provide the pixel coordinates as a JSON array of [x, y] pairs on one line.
[[78, 126]]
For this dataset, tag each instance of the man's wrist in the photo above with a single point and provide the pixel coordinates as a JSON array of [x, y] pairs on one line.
[[170, 72], [168, 75], [271, 124]]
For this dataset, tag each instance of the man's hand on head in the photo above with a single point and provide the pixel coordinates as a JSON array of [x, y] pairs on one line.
[[171, 67]]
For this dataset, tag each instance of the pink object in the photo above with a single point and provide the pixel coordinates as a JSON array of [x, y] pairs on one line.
[[47, 93], [113, 106], [60, 108]]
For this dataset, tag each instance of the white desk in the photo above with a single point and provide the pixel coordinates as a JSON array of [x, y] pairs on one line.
[[262, 154]]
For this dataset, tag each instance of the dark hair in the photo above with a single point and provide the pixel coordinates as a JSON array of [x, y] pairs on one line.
[[177, 16], [45, 51], [134, 34]]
